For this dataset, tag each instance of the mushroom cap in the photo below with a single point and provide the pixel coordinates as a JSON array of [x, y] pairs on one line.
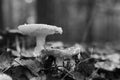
[[15, 32], [39, 29], [5, 77]]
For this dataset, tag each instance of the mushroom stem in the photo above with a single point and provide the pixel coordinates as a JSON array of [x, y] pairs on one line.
[[40, 42], [17, 44]]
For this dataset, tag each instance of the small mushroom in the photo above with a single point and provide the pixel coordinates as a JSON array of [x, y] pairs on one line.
[[40, 31], [16, 33], [4, 77]]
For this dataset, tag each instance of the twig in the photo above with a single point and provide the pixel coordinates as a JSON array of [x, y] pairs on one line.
[[68, 73], [94, 72], [17, 62], [83, 61]]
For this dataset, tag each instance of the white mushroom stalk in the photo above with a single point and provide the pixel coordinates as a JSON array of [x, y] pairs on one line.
[[40, 31], [40, 42]]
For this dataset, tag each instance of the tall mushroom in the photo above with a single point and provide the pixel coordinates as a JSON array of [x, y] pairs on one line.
[[40, 31]]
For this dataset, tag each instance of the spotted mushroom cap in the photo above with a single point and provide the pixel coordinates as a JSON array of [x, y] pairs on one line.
[[36, 29]]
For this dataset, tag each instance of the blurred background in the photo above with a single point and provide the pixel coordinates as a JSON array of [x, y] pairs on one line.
[[86, 21]]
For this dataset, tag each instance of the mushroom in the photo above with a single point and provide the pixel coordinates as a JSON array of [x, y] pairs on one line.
[[4, 77], [16, 33], [40, 31]]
